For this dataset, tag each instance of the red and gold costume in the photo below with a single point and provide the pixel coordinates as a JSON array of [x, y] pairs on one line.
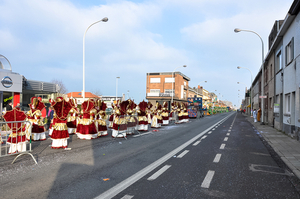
[[165, 114], [72, 117], [34, 116], [157, 119], [113, 114], [120, 124], [100, 118], [131, 118], [142, 118], [17, 138], [183, 115], [86, 128], [149, 112], [60, 133]]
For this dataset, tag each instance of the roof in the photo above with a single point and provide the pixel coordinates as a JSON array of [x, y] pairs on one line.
[[170, 73], [79, 95]]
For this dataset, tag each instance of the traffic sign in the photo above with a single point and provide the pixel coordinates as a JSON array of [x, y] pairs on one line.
[[264, 96]]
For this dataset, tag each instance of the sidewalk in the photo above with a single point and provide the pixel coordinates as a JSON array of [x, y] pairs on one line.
[[286, 147]]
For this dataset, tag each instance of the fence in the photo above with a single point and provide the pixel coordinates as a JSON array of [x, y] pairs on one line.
[[15, 142]]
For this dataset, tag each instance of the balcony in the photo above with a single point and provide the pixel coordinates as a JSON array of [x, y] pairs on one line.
[[160, 94]]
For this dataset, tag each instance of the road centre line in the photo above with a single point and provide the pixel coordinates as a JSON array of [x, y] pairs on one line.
[[217, 158], [127, 197], [196, 143], [159, 172], [182, 154], [208, 178], [203, 137], [228, 134], [225, 139], [209, 132], [222, 146], [115, 190]]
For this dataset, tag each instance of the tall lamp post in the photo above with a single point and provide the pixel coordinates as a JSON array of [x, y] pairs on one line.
[[105, 19], [262, 72], [239, 67], [117, 87], [174, 81]]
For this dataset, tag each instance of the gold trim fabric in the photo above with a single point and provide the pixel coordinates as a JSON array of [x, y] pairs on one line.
[[119, 121], [86, 121], [60, 126]]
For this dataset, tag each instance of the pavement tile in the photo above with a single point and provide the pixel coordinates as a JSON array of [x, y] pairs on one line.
[[285, 146]]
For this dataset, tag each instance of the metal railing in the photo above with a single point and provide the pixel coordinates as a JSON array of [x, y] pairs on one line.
[[15, 143]]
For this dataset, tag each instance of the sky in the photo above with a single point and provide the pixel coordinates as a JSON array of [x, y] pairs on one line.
[[43, 40]]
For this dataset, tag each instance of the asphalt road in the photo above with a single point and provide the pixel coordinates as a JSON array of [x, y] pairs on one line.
[[219, 156]]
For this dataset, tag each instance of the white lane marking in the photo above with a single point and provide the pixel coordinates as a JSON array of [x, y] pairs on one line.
[[115, 190], [213, 129], [207, 133], [222, 146], [208, 178], [225, 139], [203, 137], [127, 197], [196, 143], [159, 172], [142, 134], [228, 134], [229, 130], [217, 158], [182, 154]]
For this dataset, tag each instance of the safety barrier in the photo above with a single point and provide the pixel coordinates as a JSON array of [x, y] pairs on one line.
[[15, 143]]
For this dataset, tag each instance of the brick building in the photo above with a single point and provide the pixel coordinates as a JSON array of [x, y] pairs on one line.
[[159, 87]]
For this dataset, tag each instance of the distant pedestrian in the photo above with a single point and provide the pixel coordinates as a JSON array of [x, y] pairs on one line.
[[49, 117], [255, 115]]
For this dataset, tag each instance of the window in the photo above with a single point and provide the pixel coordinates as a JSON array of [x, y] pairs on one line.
[[279, 61], [169, 91], [288, 103], [184, 83], [169, 80], [289, 52], [155, 80], [154, 90]]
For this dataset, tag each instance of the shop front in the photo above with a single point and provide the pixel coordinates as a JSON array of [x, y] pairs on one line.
[[17, 89]]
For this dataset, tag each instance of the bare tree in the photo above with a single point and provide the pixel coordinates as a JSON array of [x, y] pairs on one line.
[[96, 92], [61, 86]]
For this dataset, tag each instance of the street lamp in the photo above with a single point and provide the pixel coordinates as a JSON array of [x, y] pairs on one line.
[[262, 72], [173, 93], [128, 94], [117, 87], [199, 84], [105, 19]]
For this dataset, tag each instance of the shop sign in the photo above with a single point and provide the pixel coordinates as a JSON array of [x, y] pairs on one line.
[[7, 82], [276, 108]]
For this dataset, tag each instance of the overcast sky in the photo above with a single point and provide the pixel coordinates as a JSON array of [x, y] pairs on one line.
[[43, 40]]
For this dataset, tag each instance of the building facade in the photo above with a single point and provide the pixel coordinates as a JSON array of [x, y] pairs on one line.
[[167, 85]]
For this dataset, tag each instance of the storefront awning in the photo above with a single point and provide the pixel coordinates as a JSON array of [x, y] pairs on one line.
[[249, 106]]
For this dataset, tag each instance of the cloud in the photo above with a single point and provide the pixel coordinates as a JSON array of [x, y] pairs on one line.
[[43, 40]]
